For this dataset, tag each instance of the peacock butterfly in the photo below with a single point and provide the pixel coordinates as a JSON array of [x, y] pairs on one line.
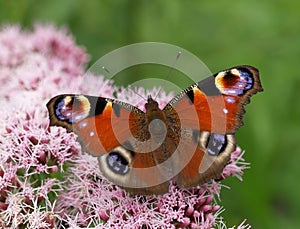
[[188, 141]]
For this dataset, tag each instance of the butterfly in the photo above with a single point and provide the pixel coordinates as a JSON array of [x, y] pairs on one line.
[[189, 141]]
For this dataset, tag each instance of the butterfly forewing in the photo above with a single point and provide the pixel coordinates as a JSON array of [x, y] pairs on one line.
[[216, 104], [101, 124]]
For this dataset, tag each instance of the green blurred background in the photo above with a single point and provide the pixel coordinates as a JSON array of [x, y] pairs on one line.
[[265, 34]]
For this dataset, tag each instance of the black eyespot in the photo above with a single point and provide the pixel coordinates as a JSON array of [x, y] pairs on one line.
[[117, 163], [216, 144]]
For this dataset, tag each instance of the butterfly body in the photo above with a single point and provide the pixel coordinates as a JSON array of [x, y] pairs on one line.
[[189, 141]]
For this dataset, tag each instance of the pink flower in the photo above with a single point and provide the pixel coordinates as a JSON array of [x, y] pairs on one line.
[[46, 180]]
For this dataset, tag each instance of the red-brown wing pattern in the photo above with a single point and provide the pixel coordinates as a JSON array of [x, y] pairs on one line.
[[200, 166], [216, 104], [101, 124]]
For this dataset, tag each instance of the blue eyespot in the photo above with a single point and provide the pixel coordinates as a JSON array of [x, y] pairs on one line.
[[216, 144], [247, 79], [117, 163], [63, 112]]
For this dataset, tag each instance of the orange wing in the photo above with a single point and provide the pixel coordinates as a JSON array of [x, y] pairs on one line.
[[101, 124], [216, 104]]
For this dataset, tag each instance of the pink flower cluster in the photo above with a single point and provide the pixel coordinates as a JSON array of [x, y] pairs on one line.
[[45, 179]]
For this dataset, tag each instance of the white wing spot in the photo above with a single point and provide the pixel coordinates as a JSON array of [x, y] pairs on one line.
[[82, 125], [230, 99]]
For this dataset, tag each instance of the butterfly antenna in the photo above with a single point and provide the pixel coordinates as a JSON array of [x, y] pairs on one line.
[[122, 82], [171, 69]]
